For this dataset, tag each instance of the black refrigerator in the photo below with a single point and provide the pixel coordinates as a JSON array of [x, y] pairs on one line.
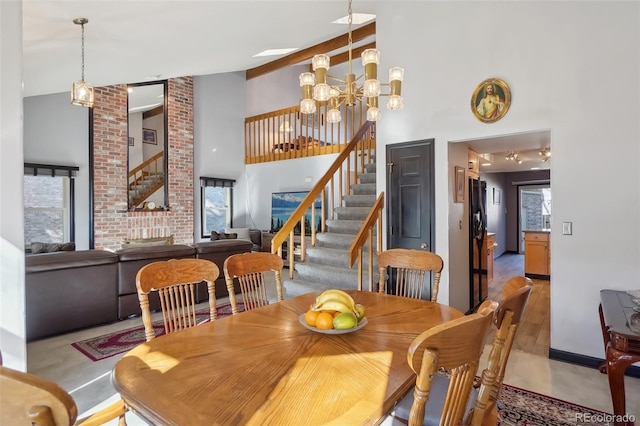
[[478, 283]]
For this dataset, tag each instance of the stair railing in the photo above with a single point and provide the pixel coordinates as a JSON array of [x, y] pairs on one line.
[[336, 182], [152, 166], [365, 234]]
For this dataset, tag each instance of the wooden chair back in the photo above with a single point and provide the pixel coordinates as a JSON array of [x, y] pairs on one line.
[[410, 268], [250, 269], [175, 281], [515, 294], [454, 346], [28, 399]]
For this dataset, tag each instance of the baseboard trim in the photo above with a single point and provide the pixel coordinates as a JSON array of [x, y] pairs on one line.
[[587, 361]]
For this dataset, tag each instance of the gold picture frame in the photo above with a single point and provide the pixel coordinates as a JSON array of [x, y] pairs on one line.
[[491, 100], [460, 183]]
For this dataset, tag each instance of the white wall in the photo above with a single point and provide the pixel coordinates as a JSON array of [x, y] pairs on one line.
[[56, 132], [555, 71], [219, 105], [12, 293]]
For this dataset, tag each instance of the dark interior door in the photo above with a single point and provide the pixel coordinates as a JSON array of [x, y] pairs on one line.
[[410, 200]]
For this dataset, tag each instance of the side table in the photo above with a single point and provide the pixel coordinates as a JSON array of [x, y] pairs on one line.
[[621, 345]]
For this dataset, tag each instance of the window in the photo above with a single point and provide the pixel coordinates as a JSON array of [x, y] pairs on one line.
[[48, 203], [216, 199]]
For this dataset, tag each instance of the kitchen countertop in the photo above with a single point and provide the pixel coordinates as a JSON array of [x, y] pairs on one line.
[[540, 231]]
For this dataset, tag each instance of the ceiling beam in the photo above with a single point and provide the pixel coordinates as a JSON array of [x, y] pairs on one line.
[[308, 53]]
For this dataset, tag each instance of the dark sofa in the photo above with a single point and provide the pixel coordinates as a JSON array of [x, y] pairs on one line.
[[69, 290]]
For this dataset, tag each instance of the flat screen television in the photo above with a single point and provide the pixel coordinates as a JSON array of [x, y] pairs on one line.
[[284, 203]]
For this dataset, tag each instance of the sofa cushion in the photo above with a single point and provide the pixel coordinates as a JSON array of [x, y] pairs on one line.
[[222, 246], [68, 259], [144, 251], [38, 247]]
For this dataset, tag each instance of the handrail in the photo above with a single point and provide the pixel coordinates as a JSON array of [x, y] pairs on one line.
[[145, 164], [366, 234], [138, 174], [298, 215]]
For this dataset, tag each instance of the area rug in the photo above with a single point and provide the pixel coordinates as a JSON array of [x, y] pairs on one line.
[[115, 343], [525, 408]]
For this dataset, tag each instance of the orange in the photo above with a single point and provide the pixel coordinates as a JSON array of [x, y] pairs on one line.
[[324, 321], [310, 317]]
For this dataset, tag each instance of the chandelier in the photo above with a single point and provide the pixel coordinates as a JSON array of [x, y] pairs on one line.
[[81, 91], [545, 153], [511, 156], [316, 89]]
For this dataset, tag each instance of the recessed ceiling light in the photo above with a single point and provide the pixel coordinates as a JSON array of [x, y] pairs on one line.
[[275, 52], [356, 18], [485, 164], [535, 168]]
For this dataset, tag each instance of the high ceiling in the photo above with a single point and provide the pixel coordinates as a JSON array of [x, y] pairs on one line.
[[134, 41]]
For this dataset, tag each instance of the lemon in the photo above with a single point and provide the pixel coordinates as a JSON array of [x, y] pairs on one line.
[[345, 320]]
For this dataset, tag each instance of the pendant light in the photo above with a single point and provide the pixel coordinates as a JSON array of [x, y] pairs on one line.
[[81, 91]]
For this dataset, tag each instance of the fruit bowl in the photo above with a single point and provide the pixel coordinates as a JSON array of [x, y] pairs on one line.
[[360, 324]]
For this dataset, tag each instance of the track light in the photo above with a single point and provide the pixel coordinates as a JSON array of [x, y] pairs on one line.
[[545, 153]]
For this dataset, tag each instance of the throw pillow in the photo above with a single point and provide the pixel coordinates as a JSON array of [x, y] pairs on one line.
[[222, 236], [243, 233], [38, 247]]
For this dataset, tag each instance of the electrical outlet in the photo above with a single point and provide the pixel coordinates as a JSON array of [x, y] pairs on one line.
[[567, 228]]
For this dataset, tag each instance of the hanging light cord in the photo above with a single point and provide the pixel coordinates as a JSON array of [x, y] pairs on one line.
[[82, 26], [350, 13]]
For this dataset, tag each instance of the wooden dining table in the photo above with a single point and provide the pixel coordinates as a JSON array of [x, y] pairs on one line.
[[263, 366]]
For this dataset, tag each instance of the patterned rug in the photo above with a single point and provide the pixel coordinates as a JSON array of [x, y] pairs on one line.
[[525, 408], [115, 343]]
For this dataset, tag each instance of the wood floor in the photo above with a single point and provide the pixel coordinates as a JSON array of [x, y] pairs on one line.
[[533, 334]]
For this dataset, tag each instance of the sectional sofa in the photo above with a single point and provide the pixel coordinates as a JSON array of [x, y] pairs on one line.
[[69, 290]]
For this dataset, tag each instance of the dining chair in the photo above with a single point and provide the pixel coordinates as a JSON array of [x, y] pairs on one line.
[[445, 359], [175, 280], [410, 268], [28, 399], [249, 269], [515, 294]]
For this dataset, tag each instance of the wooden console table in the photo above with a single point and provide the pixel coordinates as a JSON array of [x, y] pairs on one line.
[[621, 344]]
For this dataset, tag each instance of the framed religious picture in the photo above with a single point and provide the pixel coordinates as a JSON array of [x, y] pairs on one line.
[[149, 136], [491, 100], [459, 182]]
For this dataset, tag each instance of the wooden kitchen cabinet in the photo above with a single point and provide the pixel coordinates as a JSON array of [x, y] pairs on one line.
[[537, 254]]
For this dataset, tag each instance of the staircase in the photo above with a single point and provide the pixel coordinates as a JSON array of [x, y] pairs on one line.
[[325, 265], [144, 186]]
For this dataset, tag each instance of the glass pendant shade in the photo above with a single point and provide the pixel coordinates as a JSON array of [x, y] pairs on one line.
[[373, 114], [396, 74], [371, 88], [307, 106], [334, 116], [320, 61], [307, 78], [371, 56], [322, 92], [82, 94], [395, 103]]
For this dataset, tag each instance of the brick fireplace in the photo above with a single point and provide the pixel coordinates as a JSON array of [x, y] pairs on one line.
[[113, 224]]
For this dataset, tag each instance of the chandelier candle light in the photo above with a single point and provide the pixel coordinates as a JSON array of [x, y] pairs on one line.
[[316, 89], [81, 91]]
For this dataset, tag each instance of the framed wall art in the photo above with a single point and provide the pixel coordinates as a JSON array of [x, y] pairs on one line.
[[149, 136], [491, 100], [497, 196], [459, 182]]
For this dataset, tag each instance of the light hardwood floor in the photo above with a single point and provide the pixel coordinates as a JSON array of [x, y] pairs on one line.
[[534, 332]]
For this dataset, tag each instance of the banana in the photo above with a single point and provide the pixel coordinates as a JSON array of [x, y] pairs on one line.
[[335, 294], [333, 305]]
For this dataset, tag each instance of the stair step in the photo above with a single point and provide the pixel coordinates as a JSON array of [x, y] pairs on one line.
[[367, 177], [296, 287], [352, 213], [364, 189], [334, 257], [370, 167], [359, 200], [344, 226], [333, 276]]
